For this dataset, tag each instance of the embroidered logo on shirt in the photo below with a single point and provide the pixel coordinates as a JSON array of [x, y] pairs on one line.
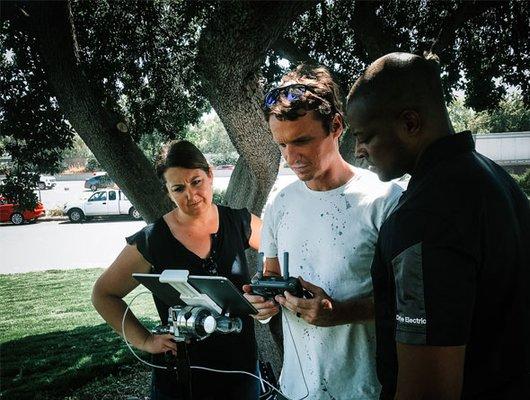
[[408, 320]]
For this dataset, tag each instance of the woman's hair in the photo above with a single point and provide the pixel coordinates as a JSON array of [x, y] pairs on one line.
[[183, 154]]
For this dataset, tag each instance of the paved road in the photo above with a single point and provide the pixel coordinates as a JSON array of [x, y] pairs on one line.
[[62, 245]]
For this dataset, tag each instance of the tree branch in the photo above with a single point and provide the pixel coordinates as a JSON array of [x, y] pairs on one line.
[[371, 30], [287, 49], [10, 10], [465, 11]]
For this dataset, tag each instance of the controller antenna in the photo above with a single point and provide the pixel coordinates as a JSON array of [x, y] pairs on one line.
[[259, 267], [285, 265]]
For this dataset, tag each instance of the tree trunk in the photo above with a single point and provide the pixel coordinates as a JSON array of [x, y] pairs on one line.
[[103, 131], [347, 150], [232, 50]]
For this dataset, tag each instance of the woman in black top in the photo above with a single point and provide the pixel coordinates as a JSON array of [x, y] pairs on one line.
[[205, 239]]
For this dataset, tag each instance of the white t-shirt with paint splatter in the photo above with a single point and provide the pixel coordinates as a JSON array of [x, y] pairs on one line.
[[330, 237]]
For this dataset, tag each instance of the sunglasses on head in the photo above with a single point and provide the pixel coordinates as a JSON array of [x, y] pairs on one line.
[[290, 92]]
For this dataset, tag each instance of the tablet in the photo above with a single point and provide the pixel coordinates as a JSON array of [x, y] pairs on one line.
[[219, 288], [164, 292]]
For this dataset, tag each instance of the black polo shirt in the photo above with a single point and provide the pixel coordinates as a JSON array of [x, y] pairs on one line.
[[452, 267]]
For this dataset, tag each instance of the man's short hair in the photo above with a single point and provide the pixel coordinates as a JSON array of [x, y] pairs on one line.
[[323, 96], [402, 79]]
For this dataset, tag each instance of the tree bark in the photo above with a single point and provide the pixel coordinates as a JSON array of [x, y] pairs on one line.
[[347, 150], [103, 131]]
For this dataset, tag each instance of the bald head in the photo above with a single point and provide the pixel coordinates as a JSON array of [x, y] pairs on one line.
[[398, 81], [396, 109]]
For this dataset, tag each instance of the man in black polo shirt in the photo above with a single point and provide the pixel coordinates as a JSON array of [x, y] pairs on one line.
[[451, 272]]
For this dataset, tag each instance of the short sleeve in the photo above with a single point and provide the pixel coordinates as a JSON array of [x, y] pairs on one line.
[[435, 286], [141, 240], [268, 243], [387, 203], [238, 223]]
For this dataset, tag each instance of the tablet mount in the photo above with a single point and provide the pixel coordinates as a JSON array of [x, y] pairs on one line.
[[199, 318]]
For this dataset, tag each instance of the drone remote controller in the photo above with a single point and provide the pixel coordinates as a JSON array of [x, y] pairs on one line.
[[270, 286]]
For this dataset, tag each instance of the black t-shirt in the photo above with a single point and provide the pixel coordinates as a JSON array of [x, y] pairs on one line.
[[232, 351], [452, 267]]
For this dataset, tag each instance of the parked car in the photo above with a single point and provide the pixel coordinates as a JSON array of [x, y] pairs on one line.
[[46, 182], [99, 182], [225, 167], [11, 212], [101, 203]]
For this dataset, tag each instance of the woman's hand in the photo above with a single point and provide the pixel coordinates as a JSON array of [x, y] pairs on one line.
[[156, 344], [266, 309]]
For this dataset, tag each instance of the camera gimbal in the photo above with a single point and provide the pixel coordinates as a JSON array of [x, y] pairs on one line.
[[199, 317]]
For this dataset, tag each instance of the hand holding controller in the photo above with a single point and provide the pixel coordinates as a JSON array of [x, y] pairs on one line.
[[270, 286]]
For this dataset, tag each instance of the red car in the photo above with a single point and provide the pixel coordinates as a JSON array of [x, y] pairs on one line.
[[9, 212]]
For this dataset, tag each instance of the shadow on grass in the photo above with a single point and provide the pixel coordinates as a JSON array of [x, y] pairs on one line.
[[52, 365]]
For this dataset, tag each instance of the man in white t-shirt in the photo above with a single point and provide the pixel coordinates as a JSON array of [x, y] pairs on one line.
[[328, 221]]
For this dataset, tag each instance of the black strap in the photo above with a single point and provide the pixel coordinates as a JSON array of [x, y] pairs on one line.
[[183, 370]]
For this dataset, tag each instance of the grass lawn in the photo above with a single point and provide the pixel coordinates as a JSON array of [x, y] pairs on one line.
[[53, 344]]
